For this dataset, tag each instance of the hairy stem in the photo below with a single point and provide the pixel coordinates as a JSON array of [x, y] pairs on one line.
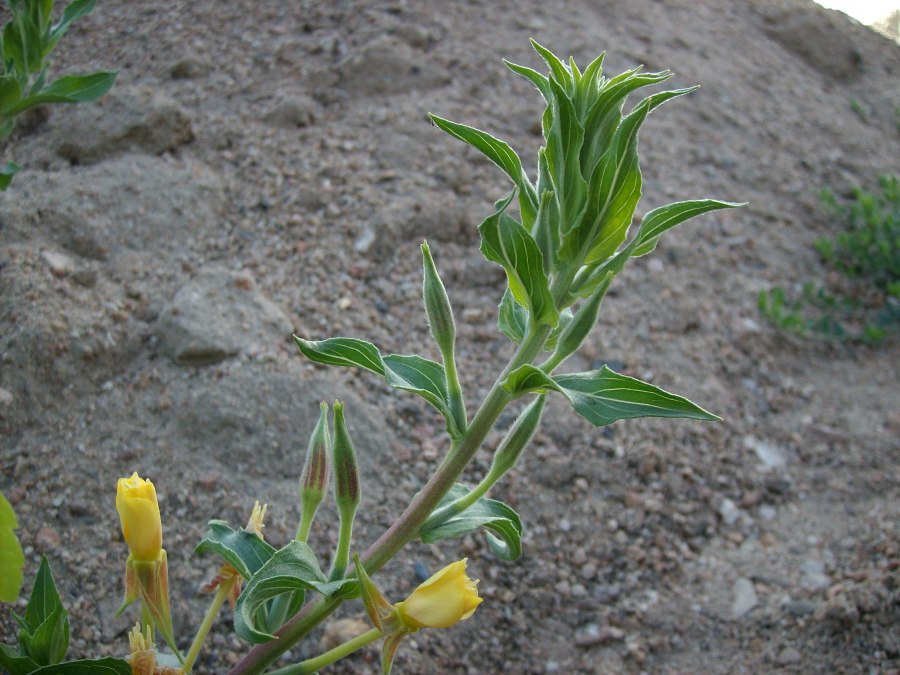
[[221, 593], [312, 665]]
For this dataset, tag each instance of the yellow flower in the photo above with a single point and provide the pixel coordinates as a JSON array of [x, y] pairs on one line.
[[139, 514], [447, 597]]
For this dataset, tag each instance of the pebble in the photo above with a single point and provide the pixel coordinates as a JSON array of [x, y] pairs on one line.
[[588, 571], [729, 512], [744, 597], [5, 397], [788, 657], [47, 539], [593, 634], [814, 577], [59, 263], [770, 456], [579, 557]]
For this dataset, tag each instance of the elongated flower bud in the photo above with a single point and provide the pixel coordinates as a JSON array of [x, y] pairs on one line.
[[437, 306], [581, 324], [346, 472], [314, 479], [139, 516], [519, 436]]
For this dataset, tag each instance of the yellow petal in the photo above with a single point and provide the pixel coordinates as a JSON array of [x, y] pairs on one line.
[[139, 514], [447, 597]]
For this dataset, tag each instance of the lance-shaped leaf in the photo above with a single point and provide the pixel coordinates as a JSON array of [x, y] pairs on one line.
[[666, 217], [505, 528], [558, 69], [44, 634], [500, 154], [512, 318], [563, 158], [538, 80], [245, 551], [290, 569], [12, 559], [69, 89], [16, 664], [604, 396], [104, 666], [415, 374], [73, 10], [506, 242]]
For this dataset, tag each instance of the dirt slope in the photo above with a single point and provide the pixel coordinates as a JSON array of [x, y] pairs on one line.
[[265, 167]]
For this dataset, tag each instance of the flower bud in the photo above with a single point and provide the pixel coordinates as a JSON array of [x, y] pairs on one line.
[[139, 515], [314, 479], [447, 597], [518, 436], [346, 473], [437, 306]]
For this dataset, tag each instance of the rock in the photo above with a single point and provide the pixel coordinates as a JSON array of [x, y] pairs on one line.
[[292, 112], [770, 456], [594, 634], [388, 66], [47, 539], [127, 119], [818, 36], [744, 597], [814, 577], [216, 315], [189, 68], [729, 512], [5, 397], [788, 657], [342, 630], [60, 264]]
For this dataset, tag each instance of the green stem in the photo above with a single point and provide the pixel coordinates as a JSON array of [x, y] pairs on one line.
[[221, 593], [306, 521], [342, 552], [407, 525], [312, 665], [457, 406]]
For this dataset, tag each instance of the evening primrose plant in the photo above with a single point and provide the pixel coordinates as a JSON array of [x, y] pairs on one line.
[[562, 235]]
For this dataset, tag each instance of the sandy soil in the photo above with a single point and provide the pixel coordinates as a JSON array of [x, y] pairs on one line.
[[266, 167]]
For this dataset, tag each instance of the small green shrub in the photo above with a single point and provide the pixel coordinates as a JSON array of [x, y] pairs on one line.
[[26, 42], [862, 302]]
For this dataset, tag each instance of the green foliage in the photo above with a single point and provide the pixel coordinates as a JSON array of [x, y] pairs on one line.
[[504, 527], [44, 633], [863, 304], [25, 46], [11, 557]]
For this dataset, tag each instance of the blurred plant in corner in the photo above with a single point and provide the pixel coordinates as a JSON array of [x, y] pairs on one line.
[[28, 39], [861, 300]]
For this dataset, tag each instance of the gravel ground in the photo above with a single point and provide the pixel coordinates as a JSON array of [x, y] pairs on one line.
[[266, 167]]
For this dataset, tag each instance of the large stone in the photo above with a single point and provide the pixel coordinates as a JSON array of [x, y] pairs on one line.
[[819, 36], [127, 119], [217, 315], [388, 66]]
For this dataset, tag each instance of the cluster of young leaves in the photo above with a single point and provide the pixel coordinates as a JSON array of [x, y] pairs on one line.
[[272, 574], [560, 257], [27, 40], [867, 254], [44, 637]]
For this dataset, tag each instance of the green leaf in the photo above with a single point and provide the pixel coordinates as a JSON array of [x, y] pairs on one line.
[[10, 93], [50, 641], [69, 89], [104, 666], [410, 373], [557, 68], [423, 377], [512, 318], [500, 154], [666, 217], [243, 550], [603, 397], [73, 10], [12, 559], [44, 599], [505, 528], [528, 379], [291, 569], [564, 142], [16, 664], [341, 351], [6, 176], [586, 89], [506, 242], [538, 80]]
